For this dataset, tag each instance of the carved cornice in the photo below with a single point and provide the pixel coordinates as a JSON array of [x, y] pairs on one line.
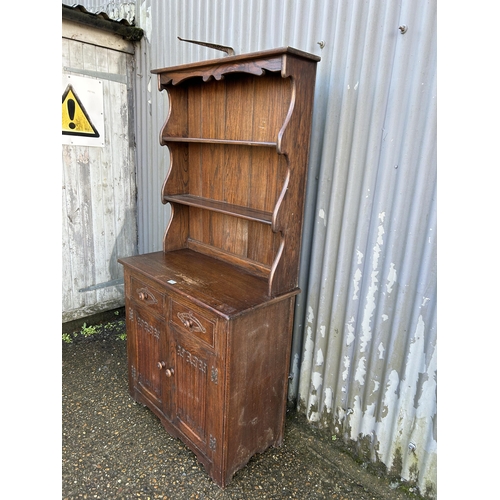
[[217, 71], [254, 63]]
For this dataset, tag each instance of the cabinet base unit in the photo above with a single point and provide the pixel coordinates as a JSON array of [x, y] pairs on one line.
[[208, 353]]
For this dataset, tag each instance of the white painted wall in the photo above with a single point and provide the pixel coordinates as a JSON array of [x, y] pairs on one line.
[[98, 183]]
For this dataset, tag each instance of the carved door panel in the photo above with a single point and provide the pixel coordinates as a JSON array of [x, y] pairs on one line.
[[151, 358], [197, 396]]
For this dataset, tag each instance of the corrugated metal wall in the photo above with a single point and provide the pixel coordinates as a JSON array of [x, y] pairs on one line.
[[364, 353], [367, 366], [116, 10], [368, 360]]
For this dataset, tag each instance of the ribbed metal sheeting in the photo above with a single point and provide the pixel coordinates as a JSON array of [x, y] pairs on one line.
[[364, 348], [366, 364], [116, 11]]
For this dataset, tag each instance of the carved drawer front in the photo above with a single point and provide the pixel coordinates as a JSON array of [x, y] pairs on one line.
[[148, 296], [190, 320]]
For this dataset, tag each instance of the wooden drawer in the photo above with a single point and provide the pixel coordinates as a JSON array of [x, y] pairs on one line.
[[187, 319], [147, 296]]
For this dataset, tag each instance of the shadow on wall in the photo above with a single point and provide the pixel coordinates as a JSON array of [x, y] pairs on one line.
[[125, 245]]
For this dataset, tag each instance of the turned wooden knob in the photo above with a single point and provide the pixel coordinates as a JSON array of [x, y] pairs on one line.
[[169, 372], [143, 295], [187, 322], [161, 365]]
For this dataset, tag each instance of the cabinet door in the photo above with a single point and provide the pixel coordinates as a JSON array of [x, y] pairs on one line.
[[198, 384], [149, 359]]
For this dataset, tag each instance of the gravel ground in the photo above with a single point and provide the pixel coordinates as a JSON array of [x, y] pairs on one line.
[[114, 448]]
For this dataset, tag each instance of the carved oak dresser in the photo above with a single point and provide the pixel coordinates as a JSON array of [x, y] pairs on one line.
[[209, 318]]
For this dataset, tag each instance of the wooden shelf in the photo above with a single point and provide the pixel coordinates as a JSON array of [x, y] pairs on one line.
[[221, 207], [253, 267], [227, 142]]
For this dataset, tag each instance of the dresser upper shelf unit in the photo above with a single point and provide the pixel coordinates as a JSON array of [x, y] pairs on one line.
[[238, 132]]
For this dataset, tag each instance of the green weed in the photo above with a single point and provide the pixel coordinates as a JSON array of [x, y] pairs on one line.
[[87, 331], [114, 327], [67, 338]]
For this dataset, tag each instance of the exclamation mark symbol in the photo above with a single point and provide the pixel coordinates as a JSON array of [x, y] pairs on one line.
[[71, 112]]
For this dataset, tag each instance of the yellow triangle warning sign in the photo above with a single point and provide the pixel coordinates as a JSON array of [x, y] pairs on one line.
[[75, 120]]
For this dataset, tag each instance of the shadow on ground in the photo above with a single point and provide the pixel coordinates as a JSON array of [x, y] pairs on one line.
[[114, 448]]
